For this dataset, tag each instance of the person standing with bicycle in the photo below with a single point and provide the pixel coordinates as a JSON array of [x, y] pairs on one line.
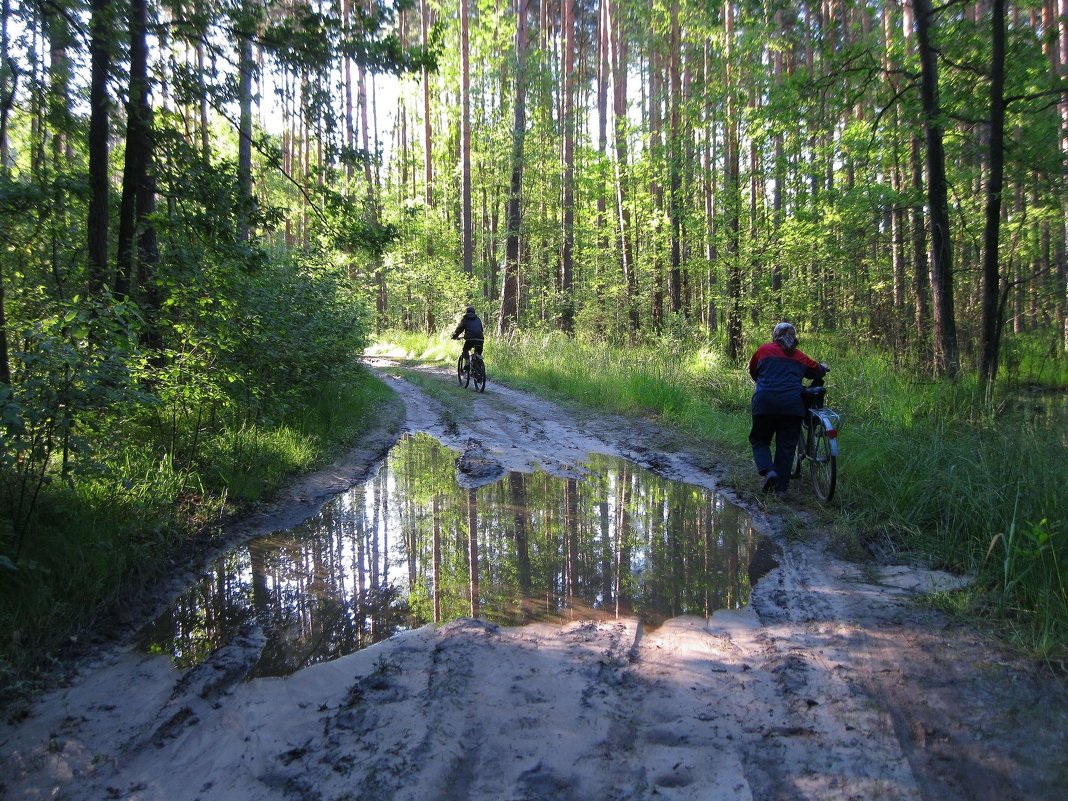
[[778, 368], [473, 333]]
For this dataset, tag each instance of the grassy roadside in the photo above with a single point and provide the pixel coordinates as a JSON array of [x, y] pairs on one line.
[[930, 468], [108, 536]]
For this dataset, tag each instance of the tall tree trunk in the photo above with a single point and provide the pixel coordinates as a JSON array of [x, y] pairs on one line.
[[1062, 267], [619, 109], [138, 151], [467, 229], [246, 66], [202, 70], [364, 103], [733, 199], [947, 356], [780, 174], [655, 119], [100, 28], [8, 82], [514, 219], [59, 36], [567, 176], [5, 361], [920, 259], [603, 237], [675, 158], [708, 168], [346, 79], [8, 73], [896, 212], [990, 329], [428, 131]]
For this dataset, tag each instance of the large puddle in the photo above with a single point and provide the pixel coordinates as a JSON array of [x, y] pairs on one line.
[[396, 552]]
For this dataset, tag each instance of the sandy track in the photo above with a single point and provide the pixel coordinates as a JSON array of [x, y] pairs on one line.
[[832, 684]]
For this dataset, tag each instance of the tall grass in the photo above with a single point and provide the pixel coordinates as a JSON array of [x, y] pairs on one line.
[[936, 467], [111, 533]]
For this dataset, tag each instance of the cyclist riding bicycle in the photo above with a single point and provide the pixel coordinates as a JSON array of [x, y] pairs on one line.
[[778, 368], [473, 333]]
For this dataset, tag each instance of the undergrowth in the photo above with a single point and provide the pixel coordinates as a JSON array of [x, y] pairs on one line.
[[972, 483], [109, 534]]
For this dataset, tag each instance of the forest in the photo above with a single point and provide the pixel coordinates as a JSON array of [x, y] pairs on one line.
[[210, 208]]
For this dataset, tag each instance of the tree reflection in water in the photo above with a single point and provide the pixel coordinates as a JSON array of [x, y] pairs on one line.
[[396, 553]]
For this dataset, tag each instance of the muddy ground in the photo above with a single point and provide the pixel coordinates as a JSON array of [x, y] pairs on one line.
[[836, 682]]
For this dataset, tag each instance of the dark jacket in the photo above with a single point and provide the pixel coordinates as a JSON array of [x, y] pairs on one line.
[[778, 375], [470, 326]]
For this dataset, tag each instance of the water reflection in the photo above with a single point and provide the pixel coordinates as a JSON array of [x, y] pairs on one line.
[[396, 553]]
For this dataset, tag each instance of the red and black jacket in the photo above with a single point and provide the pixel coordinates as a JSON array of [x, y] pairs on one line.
[[778, 375]]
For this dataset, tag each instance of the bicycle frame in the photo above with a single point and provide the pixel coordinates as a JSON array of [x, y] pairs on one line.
[[819, 442]]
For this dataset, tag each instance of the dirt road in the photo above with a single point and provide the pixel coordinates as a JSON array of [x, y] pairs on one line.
[[833, 684]]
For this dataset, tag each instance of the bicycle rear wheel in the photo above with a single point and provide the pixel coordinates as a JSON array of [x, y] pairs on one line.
[[463, 371], [823, 464], [478, 372]]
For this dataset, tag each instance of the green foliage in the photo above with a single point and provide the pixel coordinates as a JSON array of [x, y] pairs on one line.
[[295, 326], [111, 532], [69, 370]]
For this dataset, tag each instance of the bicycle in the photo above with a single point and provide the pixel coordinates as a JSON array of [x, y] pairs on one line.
[[475, 368], [819, 441]]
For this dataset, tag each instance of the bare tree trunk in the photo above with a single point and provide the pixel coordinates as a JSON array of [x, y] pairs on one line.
[[246, 66], [675, 161], [619, 107], [346, 79], [467, 233], [947, 356], [8, 80], [896, 215], [655, 120], [603, 238], [567, 177], [428, 131], [1062, 267], [709, 173], [780, 174], [514, 220], [990, 333], [733, 199], [202, 70], [97, 223], [138, 150]]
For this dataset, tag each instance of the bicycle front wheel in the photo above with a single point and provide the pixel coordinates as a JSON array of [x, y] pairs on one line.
[[823, 464], [478, 372], [463, 372]]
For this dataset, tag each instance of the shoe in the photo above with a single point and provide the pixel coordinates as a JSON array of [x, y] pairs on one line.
[[770, 479]]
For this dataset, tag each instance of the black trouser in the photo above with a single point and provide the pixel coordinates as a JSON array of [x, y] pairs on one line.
[[786, 429], [472, 344]]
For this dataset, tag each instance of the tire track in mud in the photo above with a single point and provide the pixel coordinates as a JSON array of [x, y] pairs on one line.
[[829, 737], [420, 719]]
